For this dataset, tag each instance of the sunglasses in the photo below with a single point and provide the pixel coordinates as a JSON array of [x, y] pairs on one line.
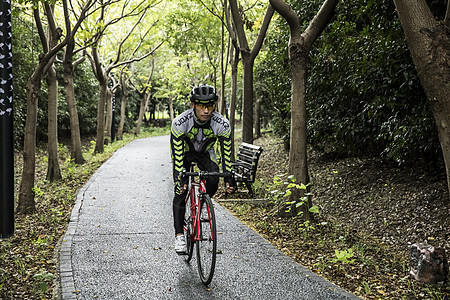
[[210, 107]]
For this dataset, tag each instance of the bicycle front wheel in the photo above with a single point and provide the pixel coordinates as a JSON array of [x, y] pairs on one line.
[[207, 245], [188, 230]]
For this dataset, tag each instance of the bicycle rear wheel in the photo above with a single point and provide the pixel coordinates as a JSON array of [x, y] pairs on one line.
[[188, 230], [207, 246]]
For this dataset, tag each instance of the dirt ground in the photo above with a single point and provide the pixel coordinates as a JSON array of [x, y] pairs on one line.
[[379, 204]]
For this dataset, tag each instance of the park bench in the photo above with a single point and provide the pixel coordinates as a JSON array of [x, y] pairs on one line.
[[246, 164]]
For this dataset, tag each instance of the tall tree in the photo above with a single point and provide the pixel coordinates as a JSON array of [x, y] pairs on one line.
[[102, 72], [299, 47], [248, 59], [428, 40], [123, 79], [54, 34], [69, 65], [234, 61], [68, 68], [144, 92], [26, 196]]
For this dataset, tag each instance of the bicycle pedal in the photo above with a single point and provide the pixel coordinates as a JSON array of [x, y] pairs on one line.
[[182, 253]]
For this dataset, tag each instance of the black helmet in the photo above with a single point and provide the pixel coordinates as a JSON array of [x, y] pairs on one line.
[[203, 94]]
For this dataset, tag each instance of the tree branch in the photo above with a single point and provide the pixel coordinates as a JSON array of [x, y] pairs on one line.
[[239, 26], [119, 51], [231, 29], [49, 13], [142, 40], [95, 64], [134, 59], [288, 14], [262, 31], [40, 29], [61, 45], [215, 13], [320, 21], [79, 61], [82, 16]]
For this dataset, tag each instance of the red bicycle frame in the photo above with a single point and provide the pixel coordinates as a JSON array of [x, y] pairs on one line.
[[194, 196]]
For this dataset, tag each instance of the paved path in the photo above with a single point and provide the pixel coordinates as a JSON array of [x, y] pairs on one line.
[[119, 243]]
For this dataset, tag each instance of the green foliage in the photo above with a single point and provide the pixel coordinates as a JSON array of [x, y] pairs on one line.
[[70, 167], [25, 50], [194, 48], [42, 280], [363, 92], [273, 81], [343, 256], [25, 58], [284, 186], [37, 191]]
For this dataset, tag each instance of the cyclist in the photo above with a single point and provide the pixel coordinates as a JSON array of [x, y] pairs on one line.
[[193, 137]]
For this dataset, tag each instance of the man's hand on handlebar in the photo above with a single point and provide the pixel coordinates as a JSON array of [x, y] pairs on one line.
[[183, 188], [229, 188]]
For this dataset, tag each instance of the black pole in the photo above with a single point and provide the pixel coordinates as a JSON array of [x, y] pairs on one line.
[[6, 123]]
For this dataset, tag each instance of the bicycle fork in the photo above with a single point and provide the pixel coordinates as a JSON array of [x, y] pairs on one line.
[[202, 190], [196, 207]]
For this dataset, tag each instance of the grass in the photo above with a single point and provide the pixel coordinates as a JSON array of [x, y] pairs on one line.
[[28, 261]]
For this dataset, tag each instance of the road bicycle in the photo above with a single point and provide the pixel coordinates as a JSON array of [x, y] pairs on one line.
[[200, 224]]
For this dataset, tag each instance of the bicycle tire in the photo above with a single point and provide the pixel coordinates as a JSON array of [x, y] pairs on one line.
[[207, 246], [187, 230]]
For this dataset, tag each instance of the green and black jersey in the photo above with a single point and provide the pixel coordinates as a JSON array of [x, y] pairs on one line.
[[188, 134]]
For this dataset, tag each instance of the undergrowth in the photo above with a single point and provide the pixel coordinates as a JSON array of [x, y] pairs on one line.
[[340, 250], [28, 259]]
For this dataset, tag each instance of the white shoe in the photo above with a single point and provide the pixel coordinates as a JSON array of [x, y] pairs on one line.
[[180, 244]]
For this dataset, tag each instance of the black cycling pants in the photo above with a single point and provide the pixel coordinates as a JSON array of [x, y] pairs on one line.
[[205, 163]]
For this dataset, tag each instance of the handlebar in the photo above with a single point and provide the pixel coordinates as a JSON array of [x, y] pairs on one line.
[[206, 174]]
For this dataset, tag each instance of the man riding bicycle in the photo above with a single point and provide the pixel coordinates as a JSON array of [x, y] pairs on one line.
[[194, 134]]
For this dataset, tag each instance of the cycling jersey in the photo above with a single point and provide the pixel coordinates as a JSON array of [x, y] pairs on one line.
[[189, 134]]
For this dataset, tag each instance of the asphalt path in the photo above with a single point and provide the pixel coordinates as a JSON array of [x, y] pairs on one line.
[[119, 242]]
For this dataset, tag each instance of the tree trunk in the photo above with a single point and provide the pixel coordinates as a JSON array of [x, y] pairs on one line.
[[247, 101], [429, 43], [75, 137], [53, 170], [108, 121], [298, 164], [26, 195], [299, 46], [141, 113], [297, 155], [99, 145], [123, 107], [222, 103], [69, 65], [171, 111], [234, 73], [258, 118]]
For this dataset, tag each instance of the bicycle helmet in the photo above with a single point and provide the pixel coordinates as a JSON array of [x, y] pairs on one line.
[[203, 94]]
